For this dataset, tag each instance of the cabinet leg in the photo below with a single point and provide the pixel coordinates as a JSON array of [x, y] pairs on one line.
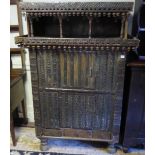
[[24, 112], [125, 149], [44, 144], [111, 149], [12, 130]]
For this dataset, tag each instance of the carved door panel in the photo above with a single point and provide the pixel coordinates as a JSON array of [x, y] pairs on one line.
[[76, 69], [77, 110], [77, 88]]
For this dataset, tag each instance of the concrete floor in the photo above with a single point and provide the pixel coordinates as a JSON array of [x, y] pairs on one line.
[[26, 140]]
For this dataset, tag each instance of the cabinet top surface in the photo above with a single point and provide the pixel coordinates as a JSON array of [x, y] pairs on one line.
[[77, 7]]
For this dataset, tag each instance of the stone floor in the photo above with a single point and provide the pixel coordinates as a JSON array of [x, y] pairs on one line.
[[26, 140]]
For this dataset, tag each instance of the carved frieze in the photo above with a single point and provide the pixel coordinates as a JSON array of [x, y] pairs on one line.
[[77, 7], [80, 43]]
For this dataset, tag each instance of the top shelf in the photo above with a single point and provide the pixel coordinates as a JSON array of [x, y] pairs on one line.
[[77, 7], [77, 19]]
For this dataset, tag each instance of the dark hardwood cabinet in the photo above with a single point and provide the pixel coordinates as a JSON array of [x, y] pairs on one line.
[[134, 129], [77, 55]]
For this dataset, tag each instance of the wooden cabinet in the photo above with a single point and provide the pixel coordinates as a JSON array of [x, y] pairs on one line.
[[77, 54], [134, 129]]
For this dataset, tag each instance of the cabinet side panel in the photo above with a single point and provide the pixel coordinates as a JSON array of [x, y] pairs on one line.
[[135, 119], [35, 87], [118, 84]]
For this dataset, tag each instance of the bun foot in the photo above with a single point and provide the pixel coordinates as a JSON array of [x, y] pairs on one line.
[[111, 149], [125, 149], [44, 144]]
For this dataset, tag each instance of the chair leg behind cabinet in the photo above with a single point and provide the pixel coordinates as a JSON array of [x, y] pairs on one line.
[[24, 112], [12, 130]]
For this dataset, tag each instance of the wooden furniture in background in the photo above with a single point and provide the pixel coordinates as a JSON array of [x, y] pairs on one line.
[[19, 27], [17, 92], [13, 2], [134, 127], [77, 55], [17, 97], [14, 28]]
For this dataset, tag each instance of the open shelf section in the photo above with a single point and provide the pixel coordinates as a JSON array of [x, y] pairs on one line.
[[46, 27]]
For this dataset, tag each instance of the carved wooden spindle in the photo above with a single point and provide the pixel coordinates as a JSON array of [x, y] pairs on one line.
[[60, 22], [31, 27], [90, 26], [126, 28], [122, 27]]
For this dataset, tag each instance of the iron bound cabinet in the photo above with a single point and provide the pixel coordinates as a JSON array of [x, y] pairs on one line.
[[77, 55]]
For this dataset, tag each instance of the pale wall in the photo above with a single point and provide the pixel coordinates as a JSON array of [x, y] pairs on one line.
[[17, 64]]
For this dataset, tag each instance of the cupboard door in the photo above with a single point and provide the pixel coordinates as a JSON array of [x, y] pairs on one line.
[[78, 89], [71, 69], [77, 110]]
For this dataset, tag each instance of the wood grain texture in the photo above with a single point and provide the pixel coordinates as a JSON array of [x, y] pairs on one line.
[[96, 135], [35, 87], [92, 106], [134, 129], [81, 111], [118, 89]]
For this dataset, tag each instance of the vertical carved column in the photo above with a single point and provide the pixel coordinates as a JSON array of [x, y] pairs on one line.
[[19, 12], [34, 79], [118, 91], [126, 27], [31, 27], [122, 27], [90, 26], [60, 22]]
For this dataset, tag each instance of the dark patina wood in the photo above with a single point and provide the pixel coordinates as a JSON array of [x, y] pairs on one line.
[[13, 2], [134, 129], [14, 28], [77, 69]]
